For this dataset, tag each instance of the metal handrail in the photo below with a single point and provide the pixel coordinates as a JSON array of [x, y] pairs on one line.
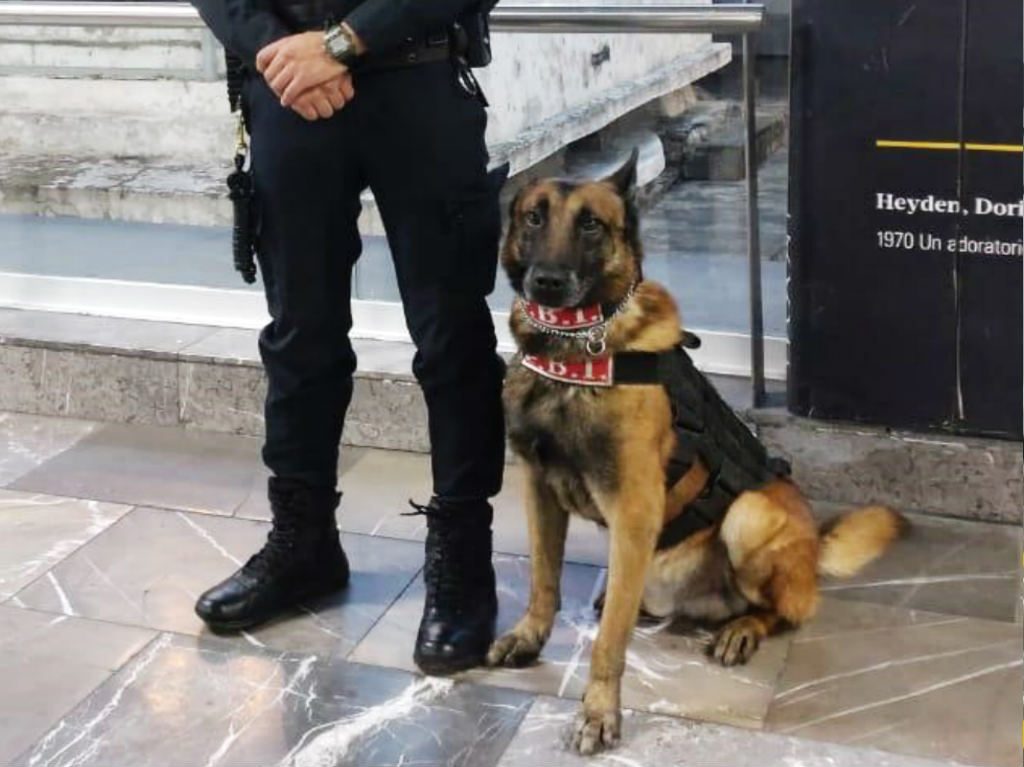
[[88, 14], [508, 17], [734, 19], [743, 20]]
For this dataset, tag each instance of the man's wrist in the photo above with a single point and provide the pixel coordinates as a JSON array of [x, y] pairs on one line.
[[343, 44], [360, 44]]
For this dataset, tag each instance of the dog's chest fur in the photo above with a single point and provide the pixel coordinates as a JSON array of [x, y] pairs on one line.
[[564, 432], [559, 429]]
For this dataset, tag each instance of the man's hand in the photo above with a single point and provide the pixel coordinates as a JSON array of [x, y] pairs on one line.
[[322, 101], [295, 64]]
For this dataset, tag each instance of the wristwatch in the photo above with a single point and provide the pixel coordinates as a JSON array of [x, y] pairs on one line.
[[339, 45]]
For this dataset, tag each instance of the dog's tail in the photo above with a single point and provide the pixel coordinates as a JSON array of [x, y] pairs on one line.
[[857, 539]]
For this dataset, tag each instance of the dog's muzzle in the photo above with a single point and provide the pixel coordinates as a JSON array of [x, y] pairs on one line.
[[550, 285]]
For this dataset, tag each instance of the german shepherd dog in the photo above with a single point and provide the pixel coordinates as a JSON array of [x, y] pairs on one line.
[[601, 452]]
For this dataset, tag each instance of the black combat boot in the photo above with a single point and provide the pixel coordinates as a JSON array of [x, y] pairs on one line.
[[461, 604], [301, 559]]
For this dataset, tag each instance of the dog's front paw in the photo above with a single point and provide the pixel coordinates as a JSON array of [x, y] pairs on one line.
[[599, 723], [520, 647], [596, 730], [737, 642]]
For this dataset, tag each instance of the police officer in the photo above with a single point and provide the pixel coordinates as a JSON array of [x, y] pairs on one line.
[[345, 95]]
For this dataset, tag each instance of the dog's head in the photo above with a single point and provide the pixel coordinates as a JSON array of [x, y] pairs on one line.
[[574, 243]]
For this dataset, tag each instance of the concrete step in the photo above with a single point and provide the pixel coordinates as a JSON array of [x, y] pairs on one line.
[[189, 118], [156, 150], [115, 118], [164, 190], [209, 137], [105, 51], [133, 161], [706, 143], [211, 379], [603, 153], [142, 189]]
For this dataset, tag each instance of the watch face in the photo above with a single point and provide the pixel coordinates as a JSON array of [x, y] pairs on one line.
[[338, 45]]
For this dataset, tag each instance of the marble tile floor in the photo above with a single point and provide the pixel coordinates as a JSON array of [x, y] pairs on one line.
[[107, 533]]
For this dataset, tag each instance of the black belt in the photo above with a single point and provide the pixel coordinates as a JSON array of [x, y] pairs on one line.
[[430, 51]]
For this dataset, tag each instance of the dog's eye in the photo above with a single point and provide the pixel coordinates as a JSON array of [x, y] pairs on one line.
[[533, 218], [590, 224]]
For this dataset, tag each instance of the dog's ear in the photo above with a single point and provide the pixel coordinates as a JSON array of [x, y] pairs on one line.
[[513, 204], [624, 179], [497, 177]]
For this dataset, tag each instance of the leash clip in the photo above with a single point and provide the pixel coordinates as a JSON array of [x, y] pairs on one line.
[[466, 80], [597, 343], [241, 144]]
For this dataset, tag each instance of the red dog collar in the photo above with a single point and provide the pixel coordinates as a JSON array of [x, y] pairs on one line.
[[576, 318], [595, 371]]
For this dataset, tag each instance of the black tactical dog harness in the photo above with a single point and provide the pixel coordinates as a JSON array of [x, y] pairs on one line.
[[705, 426]]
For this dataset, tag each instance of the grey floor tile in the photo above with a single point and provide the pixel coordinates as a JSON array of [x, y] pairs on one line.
[[48, 664], [365, 487], [26, 441], [944, 566], [38, 531], [924, 684], [182, 702], [377, 487], [149, 570], [667, 671], [100, 333], [660, 741], [152, 466]]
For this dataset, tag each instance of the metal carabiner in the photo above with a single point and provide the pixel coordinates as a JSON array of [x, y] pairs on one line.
[[597, 343], [241, 145], [464, 77], [467, 81]]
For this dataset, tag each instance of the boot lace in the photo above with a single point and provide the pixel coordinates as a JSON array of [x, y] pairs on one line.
[[278, 551], [447, 570]]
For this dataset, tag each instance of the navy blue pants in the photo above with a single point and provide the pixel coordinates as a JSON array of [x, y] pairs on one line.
[[415, 139]]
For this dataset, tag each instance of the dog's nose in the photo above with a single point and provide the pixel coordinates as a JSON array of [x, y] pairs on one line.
[[548, 280]]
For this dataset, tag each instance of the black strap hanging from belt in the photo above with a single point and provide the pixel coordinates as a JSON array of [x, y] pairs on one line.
[[240, 185]]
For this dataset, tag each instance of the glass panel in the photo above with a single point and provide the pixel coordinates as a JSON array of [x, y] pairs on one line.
[[695, 224], [112, 174], [69, 246]]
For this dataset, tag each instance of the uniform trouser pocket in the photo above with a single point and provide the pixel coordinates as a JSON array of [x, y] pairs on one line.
[[475, 221]]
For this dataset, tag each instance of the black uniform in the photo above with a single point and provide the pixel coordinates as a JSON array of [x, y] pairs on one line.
[[415, 137]]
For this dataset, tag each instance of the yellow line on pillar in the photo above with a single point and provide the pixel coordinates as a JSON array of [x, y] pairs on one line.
[[949, 146], [1014, 148]]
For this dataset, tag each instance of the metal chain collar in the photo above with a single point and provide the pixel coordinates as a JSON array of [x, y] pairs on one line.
[[595, 337]]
